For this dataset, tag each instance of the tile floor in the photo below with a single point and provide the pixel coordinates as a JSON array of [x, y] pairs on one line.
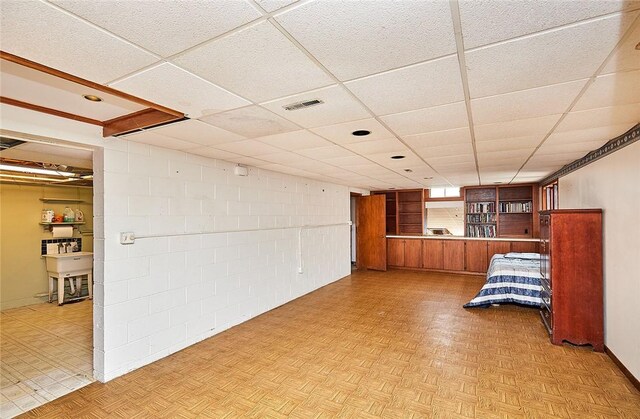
[[45, 352]]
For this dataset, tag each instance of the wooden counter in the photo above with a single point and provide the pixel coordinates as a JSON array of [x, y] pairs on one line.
[[451, 253]]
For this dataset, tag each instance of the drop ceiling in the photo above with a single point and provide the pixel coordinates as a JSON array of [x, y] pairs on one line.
[[470, 92]]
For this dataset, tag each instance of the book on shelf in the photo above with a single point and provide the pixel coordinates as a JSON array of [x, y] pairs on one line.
[[481, 207], [515, 206], [488, 217], [488, 230]]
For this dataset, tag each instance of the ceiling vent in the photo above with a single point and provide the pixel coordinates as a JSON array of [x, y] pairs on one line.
[[302, 105], [6, 143]]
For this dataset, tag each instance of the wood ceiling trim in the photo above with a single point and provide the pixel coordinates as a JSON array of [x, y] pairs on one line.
[[66, 76], [136, 121], [50, 111]]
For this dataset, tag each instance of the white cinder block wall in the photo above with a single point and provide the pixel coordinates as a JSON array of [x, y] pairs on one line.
[[163, 294]]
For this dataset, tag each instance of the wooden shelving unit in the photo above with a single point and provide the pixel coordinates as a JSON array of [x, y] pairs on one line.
[[410, 212], [508, 211]]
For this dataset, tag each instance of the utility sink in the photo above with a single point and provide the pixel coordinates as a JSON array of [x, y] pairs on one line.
[[69, 262]]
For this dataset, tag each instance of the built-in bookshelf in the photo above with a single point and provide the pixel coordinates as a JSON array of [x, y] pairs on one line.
[[480, 212], [500, 211], [410, 212], [391, 212]]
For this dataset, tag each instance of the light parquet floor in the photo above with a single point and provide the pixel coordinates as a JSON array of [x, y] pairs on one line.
[[393, 345]]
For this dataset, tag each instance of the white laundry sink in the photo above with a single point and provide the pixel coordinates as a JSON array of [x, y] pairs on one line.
[[69, 262]]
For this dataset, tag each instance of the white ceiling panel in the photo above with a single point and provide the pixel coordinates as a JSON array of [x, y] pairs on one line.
[[516, 128], [358, 38], [625, 57], [504, 157], [187, 92], [165, 27], [530, 103], [425, 85], [601, 134], [47, 153], [611, 90], [294, 140], [339, 106], [438, 118], [515, 143], [248, 161], [84, 54], [252, 121], [249, 148], [258, 63], [439, 138], [198, 132], [348, 161], [281, 157], [153, 138], [559, 148], [439, 162], [552, 57], [323, 153], [483, 22], [273, 5], [342, 133], [444, 150], [390, 145], [600, 117], [214, 153]]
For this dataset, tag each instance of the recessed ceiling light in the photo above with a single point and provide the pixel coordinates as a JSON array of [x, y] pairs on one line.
[[497, 183], [638, 46], [361, 132], [408, 170], [430, 177], [397, 157], [92, 98]]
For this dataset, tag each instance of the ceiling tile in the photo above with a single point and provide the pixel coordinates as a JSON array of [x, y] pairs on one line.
[[339, 106], [525, 63], [323, 153], [347, 161], [252, 121], [593, 118], [516, 128], [294, 140], [530, 103], [601, 134], [439, 138], [248, 161], [185, 92], [198, 132], [428, 153], [165, 27], [358, 38], [438, 118], [611, 90], [626, 55], [249, 148], [84, 54], [483, 22], [214, 153], [281, 157], [514, 143], [272, 5], [429, 84], [562, 148], [504, 157], [153, 138], [377, 146], [258, 63], [342, 133]]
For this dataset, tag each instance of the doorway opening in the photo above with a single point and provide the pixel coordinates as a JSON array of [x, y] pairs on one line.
[[46, 214], [352, 218]]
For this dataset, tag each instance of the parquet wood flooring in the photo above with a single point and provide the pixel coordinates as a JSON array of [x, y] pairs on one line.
[[392, 345]]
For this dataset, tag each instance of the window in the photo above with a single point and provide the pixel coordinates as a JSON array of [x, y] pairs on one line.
[[444, 192]]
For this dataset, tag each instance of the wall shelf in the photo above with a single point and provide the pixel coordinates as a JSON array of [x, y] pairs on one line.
[[70, 223], [70, 201]]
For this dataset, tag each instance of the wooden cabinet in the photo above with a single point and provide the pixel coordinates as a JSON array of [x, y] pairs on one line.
[[410, 212], [432, 254], [413, 253], [405, 253], [571, 268], [501, 247], [453, 255], [525, 247], [395, 252], [476, 256]]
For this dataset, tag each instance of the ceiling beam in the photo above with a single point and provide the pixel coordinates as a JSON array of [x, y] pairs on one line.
[[50, 111], [136, 121]]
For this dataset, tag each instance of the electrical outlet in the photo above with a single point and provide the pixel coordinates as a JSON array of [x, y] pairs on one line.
[[127, 238]]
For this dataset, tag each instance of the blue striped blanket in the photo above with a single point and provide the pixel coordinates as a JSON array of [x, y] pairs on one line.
[[511, 280]]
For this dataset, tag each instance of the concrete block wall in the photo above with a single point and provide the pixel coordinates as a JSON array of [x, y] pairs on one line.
[[162, 294]]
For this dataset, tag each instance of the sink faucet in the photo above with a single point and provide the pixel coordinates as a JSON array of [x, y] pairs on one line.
[[68, 248], [60, 248]]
